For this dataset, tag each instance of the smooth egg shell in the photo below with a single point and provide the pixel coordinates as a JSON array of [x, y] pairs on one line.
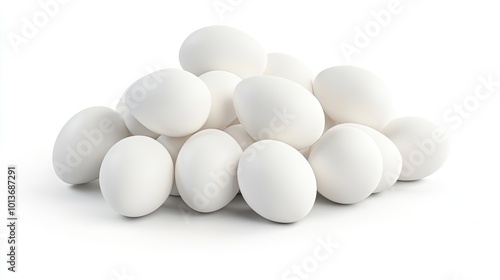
[[170, 102], [351, 94], [390, 155], [205, 170], [275, 108], [83, 141], [347, 163], [423, 146], [222, 48], [136, 176], [276, 181]]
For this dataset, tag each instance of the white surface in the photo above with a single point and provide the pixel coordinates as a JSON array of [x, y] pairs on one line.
[[431, 56]]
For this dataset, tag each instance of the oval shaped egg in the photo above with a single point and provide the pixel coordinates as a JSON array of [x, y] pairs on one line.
[[83, 141], [347, 163], [136, 128], [240, 135], [136, 176], [390, 156], [288, 67], [222, 48], [423, 146], [170, 102], [276, 181], [173, 146], [205, 171], [221, 85], [275, 108], [351, 94]]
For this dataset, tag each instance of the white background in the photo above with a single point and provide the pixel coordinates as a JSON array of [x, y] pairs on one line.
[[431, 55]]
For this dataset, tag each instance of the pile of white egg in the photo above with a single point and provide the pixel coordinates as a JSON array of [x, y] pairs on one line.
[[236, 119]]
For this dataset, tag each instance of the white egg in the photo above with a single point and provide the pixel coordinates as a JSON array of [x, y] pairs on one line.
[[136, 176], [423, 146], [205, 171], [390, 155], [83, 142], [222, 48], [275, 108], [173, 146], [240, 135], [290, 68], [351, 94], [347, 163], [170, 102], [136, 128], [221, 85], [276, 181]]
